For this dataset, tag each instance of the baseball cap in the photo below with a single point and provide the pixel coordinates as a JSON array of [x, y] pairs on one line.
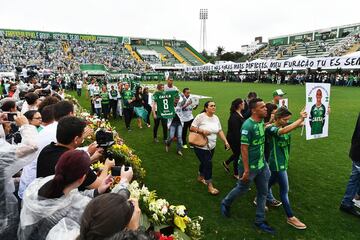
[[278, 92]]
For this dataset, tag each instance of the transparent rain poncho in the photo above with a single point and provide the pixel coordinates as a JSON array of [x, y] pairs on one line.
[[12, 159], [38, 215], [66, 229], [69, 229]]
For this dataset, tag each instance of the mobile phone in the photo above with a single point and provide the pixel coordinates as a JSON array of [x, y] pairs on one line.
[[10, 116], [116, 171]]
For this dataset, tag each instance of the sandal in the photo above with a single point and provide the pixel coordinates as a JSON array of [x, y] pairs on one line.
[[213, 191], [201, 180]]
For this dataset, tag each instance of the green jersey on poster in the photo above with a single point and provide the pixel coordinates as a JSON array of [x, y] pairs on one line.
[[165, 103], [127, 95], [279, 148], [317, 119], [253, 135]]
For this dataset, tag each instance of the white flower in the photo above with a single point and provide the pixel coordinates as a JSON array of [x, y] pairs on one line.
[[155, 217], [164, 210], [180, 210]]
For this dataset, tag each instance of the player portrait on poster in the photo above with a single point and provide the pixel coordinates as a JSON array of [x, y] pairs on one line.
[[317, 107], [284, 102]]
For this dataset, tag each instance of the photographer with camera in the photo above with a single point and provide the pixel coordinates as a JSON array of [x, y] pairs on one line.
[[12, 159], [48, 200], [12, 134], [70, 135], [46, 136]]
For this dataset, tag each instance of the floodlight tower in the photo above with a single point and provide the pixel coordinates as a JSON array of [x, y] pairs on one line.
[[203, 17]]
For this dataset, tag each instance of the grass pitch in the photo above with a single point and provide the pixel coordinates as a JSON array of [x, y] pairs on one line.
[[318, 169]]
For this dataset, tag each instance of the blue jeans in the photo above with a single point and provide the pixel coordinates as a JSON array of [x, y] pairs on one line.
[[281, 177], [98, 112], [261, 179], [205, 168], [353, 186], [175, 128]]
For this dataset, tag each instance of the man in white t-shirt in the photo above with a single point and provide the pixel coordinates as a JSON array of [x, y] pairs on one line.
[[186, 115], [45, 137], [170, 85], [79, 85]]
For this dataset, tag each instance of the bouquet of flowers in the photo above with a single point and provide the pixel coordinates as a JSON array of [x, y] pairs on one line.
[[121, 153], [168, 221]]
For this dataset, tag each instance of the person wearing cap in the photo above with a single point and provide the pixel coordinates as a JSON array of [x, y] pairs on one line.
[[279, 139], [277, 96]]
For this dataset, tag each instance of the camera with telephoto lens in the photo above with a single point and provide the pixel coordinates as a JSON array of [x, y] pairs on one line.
[[105, 139]]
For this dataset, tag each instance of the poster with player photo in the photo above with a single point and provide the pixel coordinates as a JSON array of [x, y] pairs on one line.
[[317, 107], [284, 102]]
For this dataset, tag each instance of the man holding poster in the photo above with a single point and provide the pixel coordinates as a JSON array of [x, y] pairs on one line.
[[317, 104]]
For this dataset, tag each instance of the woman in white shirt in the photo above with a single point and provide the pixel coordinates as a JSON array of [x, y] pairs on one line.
[[208, 124]]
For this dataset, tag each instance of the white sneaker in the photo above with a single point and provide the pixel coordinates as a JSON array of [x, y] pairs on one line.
[[356, 203]]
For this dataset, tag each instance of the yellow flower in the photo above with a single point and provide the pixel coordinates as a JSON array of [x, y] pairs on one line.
[[181, 222]]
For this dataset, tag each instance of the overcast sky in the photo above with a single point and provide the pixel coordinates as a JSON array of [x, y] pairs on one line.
[[231, 23]]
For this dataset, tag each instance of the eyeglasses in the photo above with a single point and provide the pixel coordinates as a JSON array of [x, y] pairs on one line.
[[212, 105]]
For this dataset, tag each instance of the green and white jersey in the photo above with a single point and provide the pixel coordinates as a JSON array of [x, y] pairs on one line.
[[317, 119], [104, 97], [253, 134], [113, 94], [279, 148], [127, 95], [165, 103]]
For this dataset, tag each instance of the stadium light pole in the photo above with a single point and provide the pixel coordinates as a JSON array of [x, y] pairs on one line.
[[203, 17]]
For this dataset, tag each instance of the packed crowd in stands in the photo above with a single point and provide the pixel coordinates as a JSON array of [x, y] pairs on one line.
[[345, 44], [67, 55]]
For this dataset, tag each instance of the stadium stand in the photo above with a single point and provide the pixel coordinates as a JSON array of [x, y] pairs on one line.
[[68, 51], [334, 41]]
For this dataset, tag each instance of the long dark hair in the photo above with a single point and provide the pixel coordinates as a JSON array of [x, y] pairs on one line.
[[206, 105], [269, 108], [105, 216], [71, 166], [235, 105]]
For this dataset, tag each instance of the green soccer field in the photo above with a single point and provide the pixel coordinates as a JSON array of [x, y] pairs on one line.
[[318, 169]]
